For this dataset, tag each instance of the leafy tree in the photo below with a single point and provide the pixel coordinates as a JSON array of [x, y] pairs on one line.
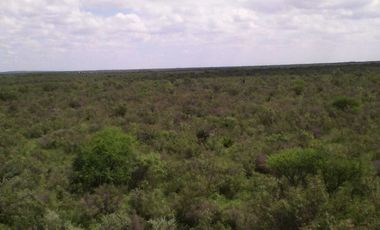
[[295, 164], [108, 158], [339, 169]]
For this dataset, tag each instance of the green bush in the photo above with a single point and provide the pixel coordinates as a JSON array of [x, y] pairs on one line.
[[298, 86], [7, 95], [116, 221], [346, 103], [150, 171], [162, 224], [119, 111], [151, 204], [300, 206], [109, 158], [203, 135], [338, 170], [295, 164], [227, 142], [75, 103], [105, 199]]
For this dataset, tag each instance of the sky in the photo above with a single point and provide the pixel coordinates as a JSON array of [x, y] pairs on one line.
[[133, 34]]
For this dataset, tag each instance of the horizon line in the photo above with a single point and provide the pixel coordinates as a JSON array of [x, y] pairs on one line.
[[195, 67]]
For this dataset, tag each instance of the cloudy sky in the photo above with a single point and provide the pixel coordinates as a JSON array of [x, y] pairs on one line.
[[123, 34]]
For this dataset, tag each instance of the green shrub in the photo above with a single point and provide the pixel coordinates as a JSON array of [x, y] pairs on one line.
[[227, 142], [266, 116], [119, 111], [75, 104], [49, 87], [229, 122], [105, 199], [346, 104], [338, 170], [295, 164], [203, 135], [52, 220], [150, 169], [116, 221], [19, 206], [109, 158], [7, 95], [298, 86], [151, 204], [163, 224], [66, 139], [300, 206]]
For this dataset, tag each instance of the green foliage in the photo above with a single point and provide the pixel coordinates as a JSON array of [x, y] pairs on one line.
[[109, 158], [52, 221], [116, 221], [295, 164], [19, 209], [61, 139], [163, 224], [337, 170], [203, 135], [227, 142], [229, 122], [7, 95], [298, 86], [200, 160], [150, 171], [346, 104], [151, 204], [300, 205], [105, 199], [120, 110], [266, 116]]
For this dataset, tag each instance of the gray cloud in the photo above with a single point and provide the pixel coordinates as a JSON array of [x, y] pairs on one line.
[[101, 34]]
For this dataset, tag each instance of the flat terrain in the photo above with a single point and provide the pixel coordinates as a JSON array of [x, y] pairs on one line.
[[285, 147]]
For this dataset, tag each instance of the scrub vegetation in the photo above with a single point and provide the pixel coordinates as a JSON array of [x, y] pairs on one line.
[[288, 147]]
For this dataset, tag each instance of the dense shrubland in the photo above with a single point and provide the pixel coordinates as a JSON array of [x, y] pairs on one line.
[[240, 148]]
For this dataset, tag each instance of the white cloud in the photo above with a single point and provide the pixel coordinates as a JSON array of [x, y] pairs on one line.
[[100, 34]]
